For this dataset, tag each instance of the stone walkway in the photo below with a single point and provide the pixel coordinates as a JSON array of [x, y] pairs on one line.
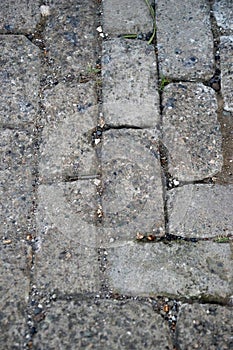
[[116, 174]]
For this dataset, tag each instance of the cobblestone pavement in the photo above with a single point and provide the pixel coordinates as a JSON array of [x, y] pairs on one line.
[[116, 174]]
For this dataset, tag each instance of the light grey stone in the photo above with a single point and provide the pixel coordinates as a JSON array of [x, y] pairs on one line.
[[22, 16], [226, 63], [223, 12], [204, 327], [201, 211], [177, 270], [191, 131], [70, 117], [130, 94], [123, 17], [102, 325], [14, 294], [66, 254], [184, 39], [19, 77], [70, 37], [16, 183], [132, 195]]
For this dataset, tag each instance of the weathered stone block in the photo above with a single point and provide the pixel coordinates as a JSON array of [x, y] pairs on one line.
[[191, 131], [130, 95]]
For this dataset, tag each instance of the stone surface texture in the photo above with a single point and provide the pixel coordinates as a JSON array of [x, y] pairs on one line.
[[70, 115], [14, 294], [184, 38], [193, 211], [120, 17], [226, 52], [132, 196], [223, 12], [204, 327], [184, 269], [103, 325], [191, 131], [16, 183], [19, 17], [127, 98], [20, 68], [70, 37]]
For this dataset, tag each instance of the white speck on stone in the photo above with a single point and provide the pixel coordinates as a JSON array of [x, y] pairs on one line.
[[97, 182], [44, 10], [99, 29], [97, 141], [176, 182]]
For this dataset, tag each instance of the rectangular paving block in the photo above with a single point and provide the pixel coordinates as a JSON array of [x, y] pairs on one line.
[[226, 64], [204, 327], [129, 91], [200, 211], [66, 254], [14, 294], [184, 39], [132, 197], [70, 37], [223, 12], [70, 116], [179, 269], [191, 131], [101, 325], [16, 183], [19, 80], [123, 17], [22, 16]]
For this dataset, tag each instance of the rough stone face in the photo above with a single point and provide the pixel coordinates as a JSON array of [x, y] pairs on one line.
[[194, 211], [21, 16], [132, 189], [191, 131], [102, 325], [14, 292], [223, 13], [185, 41], [130, 94], [19, 78], [120, 17], [179, 269], [16, 183], [226, 52], [70, 37], [66, 258], [204, 327], [70, 117]]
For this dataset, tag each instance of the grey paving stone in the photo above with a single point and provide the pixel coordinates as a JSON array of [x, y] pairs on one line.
[[16, 184], [102, 325], [184, 39], [69, 118], [22, 16], [191, 131], [226, 63], [120, 17], [66, 257], [200, 211], [177, 270], [132, 190], [129, 87], [223, 12], [70, 37], [14, 293], [19, 78], [204, 327]]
